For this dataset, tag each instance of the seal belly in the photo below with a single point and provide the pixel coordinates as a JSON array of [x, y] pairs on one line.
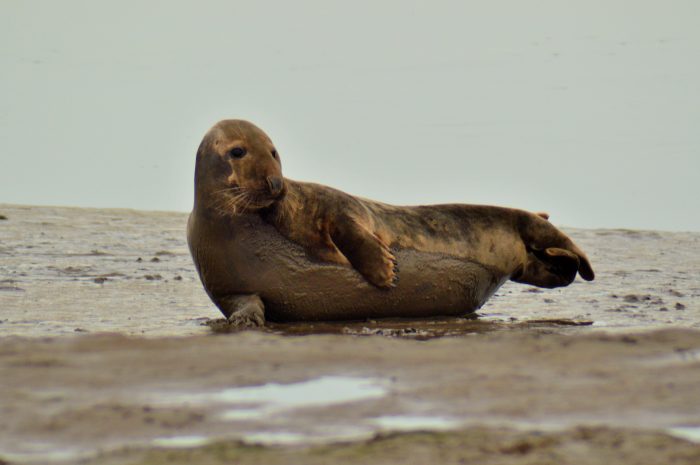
[[293, 286]]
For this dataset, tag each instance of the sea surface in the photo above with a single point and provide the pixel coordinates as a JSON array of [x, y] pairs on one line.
[[66, 271]]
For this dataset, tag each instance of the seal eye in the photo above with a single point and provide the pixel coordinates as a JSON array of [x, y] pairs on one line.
[[274, 154], [237, 152]]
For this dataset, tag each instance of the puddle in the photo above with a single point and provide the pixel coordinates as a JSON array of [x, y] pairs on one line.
[[690, 433], [176, 442], [677, 357], [273, 397], [45, 453], [242, 414], [416, 423], [280, 438], [257, 402], [324, 435], [59, 454], [320, 391]]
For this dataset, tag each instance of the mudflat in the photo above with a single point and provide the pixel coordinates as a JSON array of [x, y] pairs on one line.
[[110, 352], [269, 398]]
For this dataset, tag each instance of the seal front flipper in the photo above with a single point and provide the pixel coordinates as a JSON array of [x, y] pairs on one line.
[[367, 253], [242, 310]]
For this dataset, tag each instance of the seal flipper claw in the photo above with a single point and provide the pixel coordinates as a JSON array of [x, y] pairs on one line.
[[366, 252]]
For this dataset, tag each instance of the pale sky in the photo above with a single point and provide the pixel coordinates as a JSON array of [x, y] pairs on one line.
[[589, 110]]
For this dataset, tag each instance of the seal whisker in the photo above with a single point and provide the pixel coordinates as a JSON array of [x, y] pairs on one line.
[[226, 203], [238, 201], [249, 199], [229, 189]]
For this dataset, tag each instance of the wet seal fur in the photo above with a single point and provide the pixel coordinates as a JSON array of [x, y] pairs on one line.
[[266, 247]]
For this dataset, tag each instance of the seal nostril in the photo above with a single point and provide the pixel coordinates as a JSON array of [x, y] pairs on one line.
[[274, 184]]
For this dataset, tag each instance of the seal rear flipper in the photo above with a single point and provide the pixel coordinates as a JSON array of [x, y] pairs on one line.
[[368, 254], [584, 268], [552, 258], [552, 267]]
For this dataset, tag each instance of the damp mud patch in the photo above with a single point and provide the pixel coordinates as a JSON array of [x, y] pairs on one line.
[[418, 329]]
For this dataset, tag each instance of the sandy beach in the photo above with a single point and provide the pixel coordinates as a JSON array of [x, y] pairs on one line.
[[110, 352]]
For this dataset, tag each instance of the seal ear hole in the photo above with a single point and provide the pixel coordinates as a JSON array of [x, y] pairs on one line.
[[274, 154], [237, 152]]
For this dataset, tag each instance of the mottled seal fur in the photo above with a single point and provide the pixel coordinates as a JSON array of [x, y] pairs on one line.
[[267, 247]]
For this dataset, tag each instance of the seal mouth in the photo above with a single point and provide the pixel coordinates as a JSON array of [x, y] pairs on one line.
[[237, 200]]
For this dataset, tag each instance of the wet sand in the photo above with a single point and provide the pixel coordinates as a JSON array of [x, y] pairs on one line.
[[602, 371]]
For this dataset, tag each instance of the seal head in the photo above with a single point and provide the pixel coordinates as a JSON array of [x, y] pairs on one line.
[[238, 169]]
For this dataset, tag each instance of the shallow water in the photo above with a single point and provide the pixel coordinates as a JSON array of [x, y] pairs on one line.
[[72, 270]]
